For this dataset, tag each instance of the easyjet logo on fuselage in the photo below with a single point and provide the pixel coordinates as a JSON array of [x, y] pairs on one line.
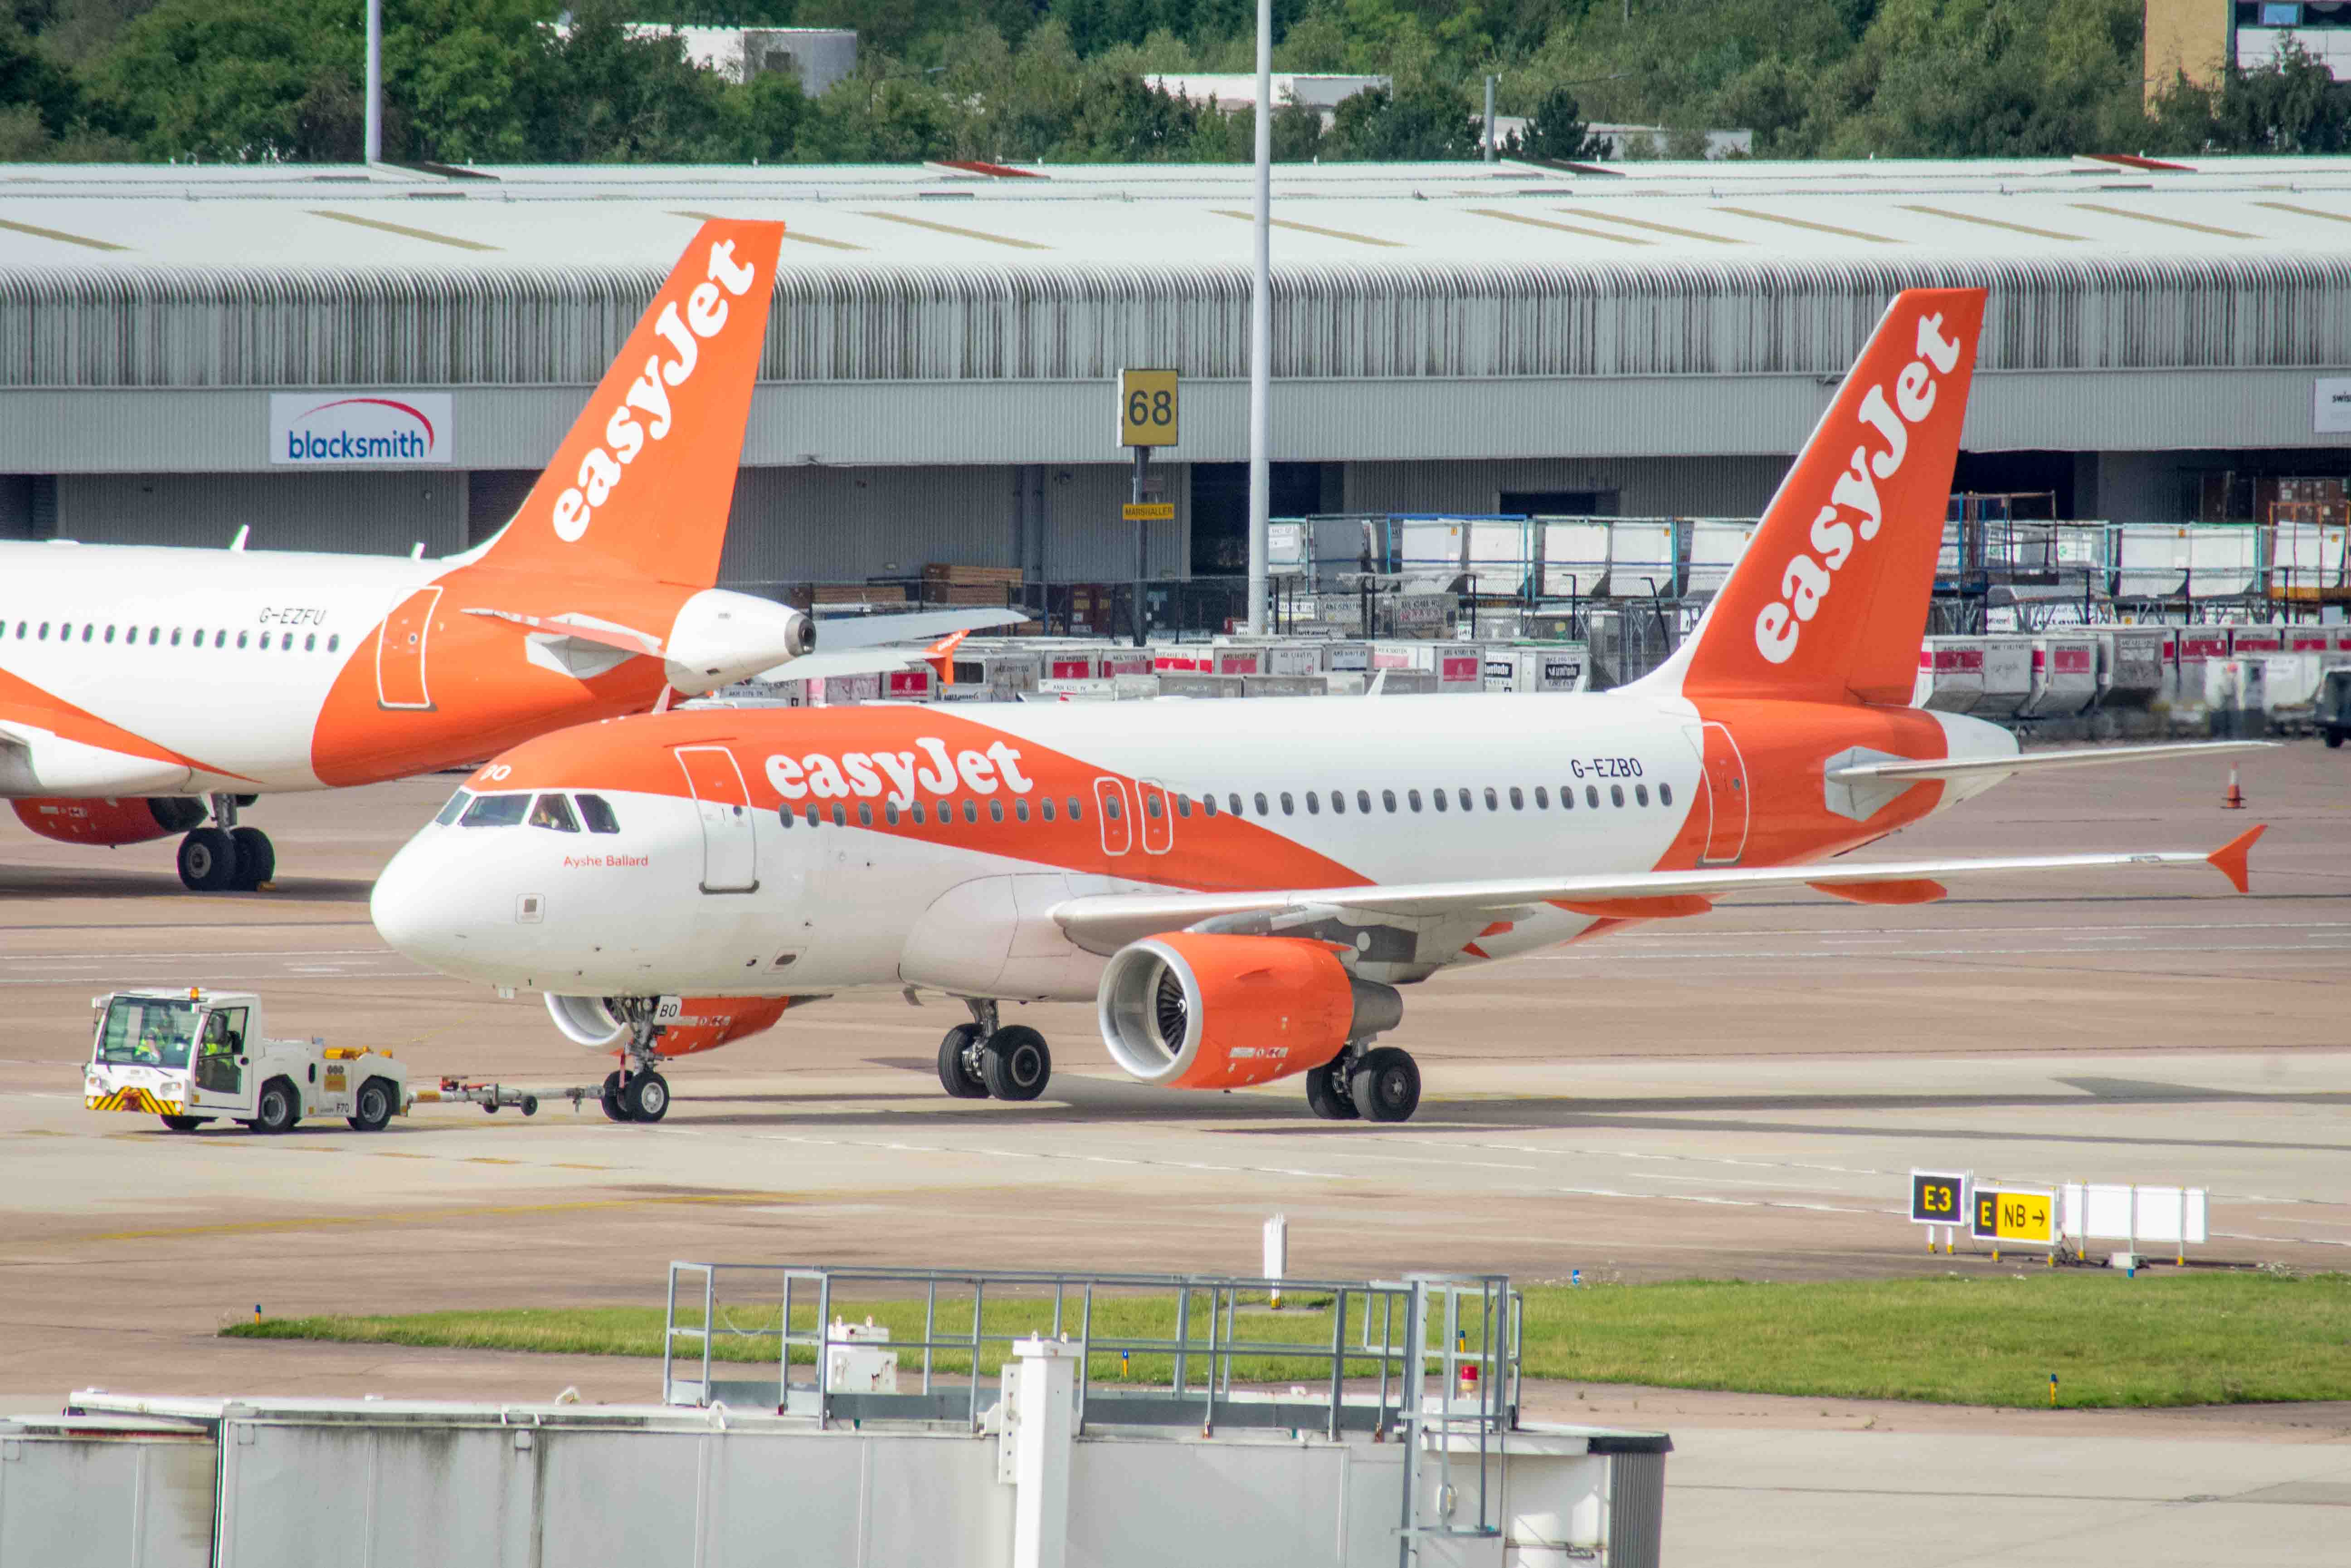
[[930, 770], [1805, 582], [705, 313]]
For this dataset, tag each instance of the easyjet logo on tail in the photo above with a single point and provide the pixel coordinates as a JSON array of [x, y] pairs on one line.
[[1853, 506], [602, 470]]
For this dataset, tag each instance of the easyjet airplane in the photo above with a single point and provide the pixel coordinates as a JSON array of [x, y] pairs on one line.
[[144, 689], [1244, 887]]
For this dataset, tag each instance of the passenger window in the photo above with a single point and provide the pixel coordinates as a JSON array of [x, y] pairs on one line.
[[1208, 805], [453, 810], [810, 818], [175, 636], [1413, 796], [865, 813], [1567, 797], [1387, 799], [1542, 798], [1183, 805], [1465, 800], [45, 632], [1151, 806], [1664, 794], [995, 810], [1262, 808], [89, 630], [1517, 801], [110, 634], [1045, 807], [1077, 813], [1592, 796], [1235, 801], [311, 642], [1020, 809], [890, 813], [240, 640], [1110, 807], [1616, 794], [1438, 796], [153, 633], [1338, 803], [334, 640], [840, 815], [495, 810], [946, 812], [784, 816], [597, 812], [1312, 808], [921, 817], [1641, 794], [265, 641], [971, 810], [1492, 803], [1364, 801], [553, 811]]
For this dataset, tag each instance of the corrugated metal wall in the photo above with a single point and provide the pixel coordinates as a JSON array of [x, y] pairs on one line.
[[185, 326], [845, 525], [359, 513]]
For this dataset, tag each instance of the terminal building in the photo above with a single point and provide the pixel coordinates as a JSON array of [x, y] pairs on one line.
[[2165, 342]]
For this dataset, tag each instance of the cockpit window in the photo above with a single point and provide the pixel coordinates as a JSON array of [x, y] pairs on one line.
[[495, 810], [597, 812], [153, 1032], [455, 809], [553, 811]]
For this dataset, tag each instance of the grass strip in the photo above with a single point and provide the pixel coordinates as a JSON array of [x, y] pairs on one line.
[[2163, 1338]]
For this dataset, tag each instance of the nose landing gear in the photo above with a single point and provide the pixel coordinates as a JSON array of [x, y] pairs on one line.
[[226, 858], [978, 1060], [637, 1093]]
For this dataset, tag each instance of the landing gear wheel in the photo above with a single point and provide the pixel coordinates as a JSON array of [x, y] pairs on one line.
[[531, 1105], [1327, 1094], [183, 1123], [956, 1074], [277, 1109], [2334, 739], [616, 1108], [256, 858], [1385, 1085], [646, 1097], [208, 862], [371, 1111], [1016, 1063]]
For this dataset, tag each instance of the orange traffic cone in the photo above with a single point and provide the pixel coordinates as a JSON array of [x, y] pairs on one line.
[[2234, 801]]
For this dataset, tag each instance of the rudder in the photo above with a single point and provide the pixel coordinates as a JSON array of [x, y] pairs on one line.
[[1830, 600], [643, 482]]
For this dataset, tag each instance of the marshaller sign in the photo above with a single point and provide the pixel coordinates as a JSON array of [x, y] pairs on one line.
[[361, 430]]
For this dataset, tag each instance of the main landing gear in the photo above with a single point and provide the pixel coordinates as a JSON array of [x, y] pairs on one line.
[[1381, 1084], [637, 1093], [226, 858], [978, 1060]]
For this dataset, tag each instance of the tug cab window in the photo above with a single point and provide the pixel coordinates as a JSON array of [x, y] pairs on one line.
[[597, 812], [496, 811], [154, 1031]]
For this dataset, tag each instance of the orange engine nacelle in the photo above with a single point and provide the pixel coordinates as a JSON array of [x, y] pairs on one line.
[[703, 1023], [132, 820], [1200, 1010]]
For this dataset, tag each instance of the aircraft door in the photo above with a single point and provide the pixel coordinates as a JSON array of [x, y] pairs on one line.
[[730, 836], [1117, 814], [400, 681], [1723, 790], [1158, 818]]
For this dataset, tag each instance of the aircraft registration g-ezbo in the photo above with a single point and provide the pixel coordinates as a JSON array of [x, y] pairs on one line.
[[1243, 887], [142, 689]]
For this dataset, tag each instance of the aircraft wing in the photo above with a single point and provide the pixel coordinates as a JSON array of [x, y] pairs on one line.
[[1104, 922], [1898, 771], [917, 626]]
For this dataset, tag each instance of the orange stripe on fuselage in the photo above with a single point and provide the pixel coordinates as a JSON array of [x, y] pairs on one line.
[[28, 704], [1210, 853]]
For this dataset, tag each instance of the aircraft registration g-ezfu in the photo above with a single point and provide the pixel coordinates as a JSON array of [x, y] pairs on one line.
[[1243, 888], [143, 689]]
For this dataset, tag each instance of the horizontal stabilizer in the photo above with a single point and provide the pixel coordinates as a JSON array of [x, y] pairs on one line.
[[2083, 756]]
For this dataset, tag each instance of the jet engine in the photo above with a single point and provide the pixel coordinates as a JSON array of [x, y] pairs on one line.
[[109, 821], [1204, 1010], [703, 1023]]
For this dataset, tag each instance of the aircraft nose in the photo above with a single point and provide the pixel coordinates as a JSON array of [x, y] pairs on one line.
[[414, 907]]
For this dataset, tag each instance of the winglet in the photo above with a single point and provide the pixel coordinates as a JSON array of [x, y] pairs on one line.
[[2229, 858], [940, 656]]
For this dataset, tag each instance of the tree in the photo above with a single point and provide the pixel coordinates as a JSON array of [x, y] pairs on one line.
[[1556, 133], [1421, 125], [2293, 105]]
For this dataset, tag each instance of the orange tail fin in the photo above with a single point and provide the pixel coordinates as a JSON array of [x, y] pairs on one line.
[[1830, 600], [641, 484]]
